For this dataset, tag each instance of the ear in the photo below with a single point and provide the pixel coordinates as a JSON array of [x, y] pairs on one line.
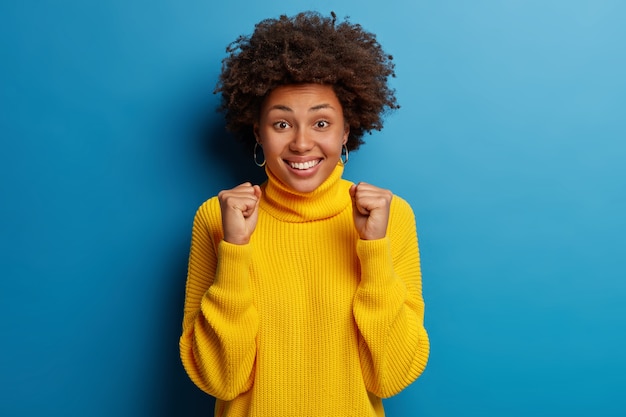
[[255, 130], [346, 133]]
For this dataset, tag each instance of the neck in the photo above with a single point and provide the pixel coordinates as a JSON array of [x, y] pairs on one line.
[[327, 200]]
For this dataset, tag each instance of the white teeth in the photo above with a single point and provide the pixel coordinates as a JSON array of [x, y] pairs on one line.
[[303, 165]]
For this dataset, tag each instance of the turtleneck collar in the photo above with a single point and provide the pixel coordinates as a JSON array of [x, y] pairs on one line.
[[328, 200]]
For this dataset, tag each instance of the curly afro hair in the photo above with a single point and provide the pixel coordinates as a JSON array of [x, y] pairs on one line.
[[307, 48]]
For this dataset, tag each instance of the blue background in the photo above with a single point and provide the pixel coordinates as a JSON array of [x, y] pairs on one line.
[[510, 146]]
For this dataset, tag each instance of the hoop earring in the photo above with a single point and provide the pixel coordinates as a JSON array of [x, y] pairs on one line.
[[344, 157], [259, 164]]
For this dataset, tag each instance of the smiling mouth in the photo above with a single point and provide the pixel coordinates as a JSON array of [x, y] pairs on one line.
[[304, 165]]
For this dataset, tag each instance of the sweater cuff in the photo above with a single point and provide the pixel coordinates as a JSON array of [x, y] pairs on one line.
[[233, 267], [376, 261]]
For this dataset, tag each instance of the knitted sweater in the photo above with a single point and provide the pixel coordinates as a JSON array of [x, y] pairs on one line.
[[306, 319]]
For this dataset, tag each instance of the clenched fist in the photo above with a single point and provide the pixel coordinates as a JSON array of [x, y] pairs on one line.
[[370, 207], [240, 211]]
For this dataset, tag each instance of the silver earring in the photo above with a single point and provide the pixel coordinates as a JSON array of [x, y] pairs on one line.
[[344, 155], [259, 164]]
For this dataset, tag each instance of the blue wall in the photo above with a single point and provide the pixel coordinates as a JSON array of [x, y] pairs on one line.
[[510, 146]]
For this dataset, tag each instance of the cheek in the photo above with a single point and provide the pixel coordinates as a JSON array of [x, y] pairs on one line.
[[271, 147]]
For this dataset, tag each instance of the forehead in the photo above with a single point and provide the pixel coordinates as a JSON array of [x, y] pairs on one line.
[[299, 97]]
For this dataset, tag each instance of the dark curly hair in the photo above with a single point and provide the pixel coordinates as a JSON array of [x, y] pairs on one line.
[[307, 48]]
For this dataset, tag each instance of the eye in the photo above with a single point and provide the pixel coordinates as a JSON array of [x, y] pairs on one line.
[[282, 125], [321, 124]]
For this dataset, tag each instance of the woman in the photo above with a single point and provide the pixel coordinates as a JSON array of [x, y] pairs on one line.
[[303, 295]]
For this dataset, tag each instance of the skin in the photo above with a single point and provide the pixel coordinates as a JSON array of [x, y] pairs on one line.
[[302, 130]]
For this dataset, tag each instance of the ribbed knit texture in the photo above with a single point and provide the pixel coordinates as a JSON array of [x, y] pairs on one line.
[[306, 319]]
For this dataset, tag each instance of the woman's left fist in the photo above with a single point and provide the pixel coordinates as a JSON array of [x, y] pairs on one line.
[[370, 207]]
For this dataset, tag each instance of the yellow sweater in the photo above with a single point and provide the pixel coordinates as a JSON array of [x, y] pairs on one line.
[[307, 319]]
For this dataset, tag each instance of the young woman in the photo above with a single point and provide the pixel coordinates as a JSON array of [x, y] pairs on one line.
[[304, 293]]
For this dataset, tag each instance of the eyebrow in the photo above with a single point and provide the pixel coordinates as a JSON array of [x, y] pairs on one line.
[[314, 108]]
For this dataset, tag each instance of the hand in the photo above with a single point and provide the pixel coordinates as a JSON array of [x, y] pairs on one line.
[[370, 207], [240, 211]]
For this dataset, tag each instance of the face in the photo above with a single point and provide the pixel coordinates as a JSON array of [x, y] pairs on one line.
[[301, 129]]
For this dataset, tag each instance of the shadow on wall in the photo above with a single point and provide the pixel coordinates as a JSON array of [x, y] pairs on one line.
[[176, 395], [228, 159], [226, 162]]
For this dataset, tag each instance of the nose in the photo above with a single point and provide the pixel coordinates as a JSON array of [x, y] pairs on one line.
[[301, 141]]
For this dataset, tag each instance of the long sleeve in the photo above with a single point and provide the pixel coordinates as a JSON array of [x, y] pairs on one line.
[[306, 319], [388, 306], [220, 323]]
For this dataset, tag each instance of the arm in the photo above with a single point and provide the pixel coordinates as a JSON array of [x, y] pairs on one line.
[[220, 323], [388, 306]]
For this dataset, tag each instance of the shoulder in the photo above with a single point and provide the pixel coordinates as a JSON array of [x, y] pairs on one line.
[[400, 206], [209, 212], [401, 216], [210, 205]]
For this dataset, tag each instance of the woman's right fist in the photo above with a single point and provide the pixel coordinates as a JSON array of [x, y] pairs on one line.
[[240, 210]]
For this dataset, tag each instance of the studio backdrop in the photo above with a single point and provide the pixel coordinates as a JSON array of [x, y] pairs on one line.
[[509, 144]]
